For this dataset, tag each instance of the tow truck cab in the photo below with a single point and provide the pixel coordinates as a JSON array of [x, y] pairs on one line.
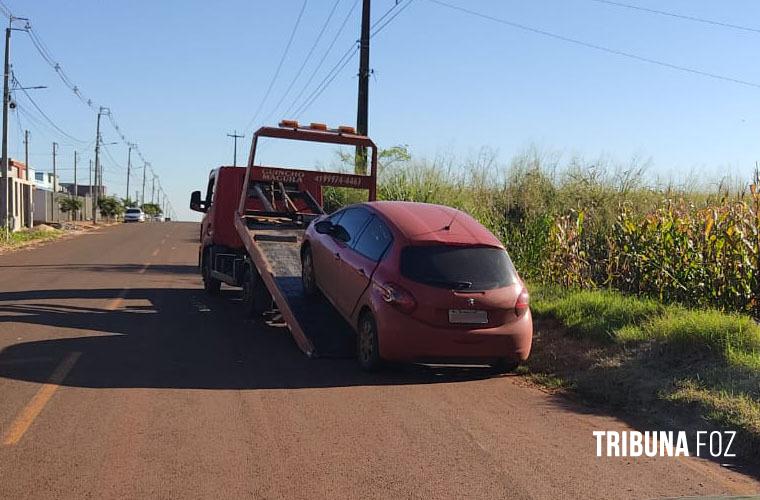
[[220, 249]]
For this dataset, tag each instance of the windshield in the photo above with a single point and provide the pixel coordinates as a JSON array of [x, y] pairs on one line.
[[460, 268], [133, 211]]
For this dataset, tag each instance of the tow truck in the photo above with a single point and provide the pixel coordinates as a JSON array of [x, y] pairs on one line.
[[253, 228]]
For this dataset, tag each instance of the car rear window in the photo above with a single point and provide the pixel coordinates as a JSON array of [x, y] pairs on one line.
[[457, 267]]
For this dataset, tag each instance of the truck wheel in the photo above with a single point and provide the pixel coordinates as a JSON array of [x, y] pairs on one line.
[[256, 297], [308, 279], [210, 284], [367, 345]]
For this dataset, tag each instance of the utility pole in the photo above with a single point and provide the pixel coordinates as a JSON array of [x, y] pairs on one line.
[[142, 197], [235, 137], [129, 166], [26, 152], [153, 189], [362, 112], [55, 183], [98, 173], [76, 189], [93, 213], [6, 101]]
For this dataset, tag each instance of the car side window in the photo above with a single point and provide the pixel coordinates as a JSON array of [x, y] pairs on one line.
[[336, 216], [374, 240], [353, 221]]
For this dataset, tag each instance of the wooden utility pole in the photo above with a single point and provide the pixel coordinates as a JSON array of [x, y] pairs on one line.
[[142, 197], [362, 112], [26, 152], [55, 183], [129, 167], [235, 137], [6, 101]]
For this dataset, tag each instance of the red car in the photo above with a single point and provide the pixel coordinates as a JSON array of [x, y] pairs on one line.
[[419, 283]]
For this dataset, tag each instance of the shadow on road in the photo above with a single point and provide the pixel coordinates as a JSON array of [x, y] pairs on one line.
[[177, 338]]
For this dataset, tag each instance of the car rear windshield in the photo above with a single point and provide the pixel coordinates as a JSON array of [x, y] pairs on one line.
[[133, 211], [457, 267]]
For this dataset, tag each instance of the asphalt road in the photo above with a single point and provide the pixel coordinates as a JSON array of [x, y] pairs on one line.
[[119, 378]]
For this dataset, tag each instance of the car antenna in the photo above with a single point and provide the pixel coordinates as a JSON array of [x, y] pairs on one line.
[[447, 227]]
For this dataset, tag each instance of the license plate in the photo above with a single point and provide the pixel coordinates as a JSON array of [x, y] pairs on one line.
[[468, 316]]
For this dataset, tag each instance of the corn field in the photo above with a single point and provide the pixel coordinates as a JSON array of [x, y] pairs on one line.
[[588, 229]]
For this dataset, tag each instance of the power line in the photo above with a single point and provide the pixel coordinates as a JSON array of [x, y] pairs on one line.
[[679, 16], [343, 61], [305, 61], [324, 57], [601, 48], [37, 107], [279, 66]]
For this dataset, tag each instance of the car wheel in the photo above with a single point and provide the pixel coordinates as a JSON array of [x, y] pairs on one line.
[[505, 365], [367, 345], [256, 297], [210, 284], [308, 279]]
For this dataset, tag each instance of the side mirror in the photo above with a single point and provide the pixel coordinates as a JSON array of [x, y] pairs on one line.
[[323, 227], [196, 203], [339, 233]]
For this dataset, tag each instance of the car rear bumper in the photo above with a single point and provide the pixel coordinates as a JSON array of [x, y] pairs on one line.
[[402, 338]]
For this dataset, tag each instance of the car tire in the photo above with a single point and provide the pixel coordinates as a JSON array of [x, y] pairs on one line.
[[308, 277], [505, 365], [256, 297], [210, 284], [367, 344]]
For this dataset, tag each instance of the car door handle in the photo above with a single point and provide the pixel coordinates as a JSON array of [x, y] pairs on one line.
[[337, 256]]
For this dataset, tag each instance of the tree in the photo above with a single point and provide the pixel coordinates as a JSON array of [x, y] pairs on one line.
[[152, 209], [69, 205], [110, 206], [129, 202]]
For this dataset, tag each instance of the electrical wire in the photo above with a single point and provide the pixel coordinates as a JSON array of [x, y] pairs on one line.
[[332, 74], [324, 57], [679, 16], [39, 109], [305, 61], [279, 67], [600, 48]]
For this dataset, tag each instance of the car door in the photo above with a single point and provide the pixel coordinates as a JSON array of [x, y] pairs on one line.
[[335, 279], [359, 261], [323, 250]]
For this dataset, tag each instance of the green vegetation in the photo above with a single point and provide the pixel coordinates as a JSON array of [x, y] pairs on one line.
[[645, 358], [595, 224], [70, 205], [24, 237], [110, 207], [152, 209]]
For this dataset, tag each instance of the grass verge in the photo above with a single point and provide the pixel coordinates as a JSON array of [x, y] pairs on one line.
[[24, 237], [676, 367]]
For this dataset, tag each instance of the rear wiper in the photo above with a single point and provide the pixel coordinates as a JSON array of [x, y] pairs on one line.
[[456, 285]]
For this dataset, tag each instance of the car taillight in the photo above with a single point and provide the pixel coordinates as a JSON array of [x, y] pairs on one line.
[[522, 303], [398, 297]]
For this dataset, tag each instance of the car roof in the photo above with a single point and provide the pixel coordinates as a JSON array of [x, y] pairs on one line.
[[426, 223]]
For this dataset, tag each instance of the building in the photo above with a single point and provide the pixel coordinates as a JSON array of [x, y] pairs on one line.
[[19, 190], [83, 190]]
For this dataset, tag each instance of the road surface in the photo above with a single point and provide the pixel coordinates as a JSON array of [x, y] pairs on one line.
[[119, 378]]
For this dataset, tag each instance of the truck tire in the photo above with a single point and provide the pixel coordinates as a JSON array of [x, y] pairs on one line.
[[210, 284], [256, 297], [367, 344], [308, 279]]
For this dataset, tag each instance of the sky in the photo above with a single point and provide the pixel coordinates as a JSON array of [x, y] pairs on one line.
[[178, 76]]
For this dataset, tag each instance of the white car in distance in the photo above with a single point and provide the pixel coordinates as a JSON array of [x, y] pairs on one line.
[[134, 215]]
